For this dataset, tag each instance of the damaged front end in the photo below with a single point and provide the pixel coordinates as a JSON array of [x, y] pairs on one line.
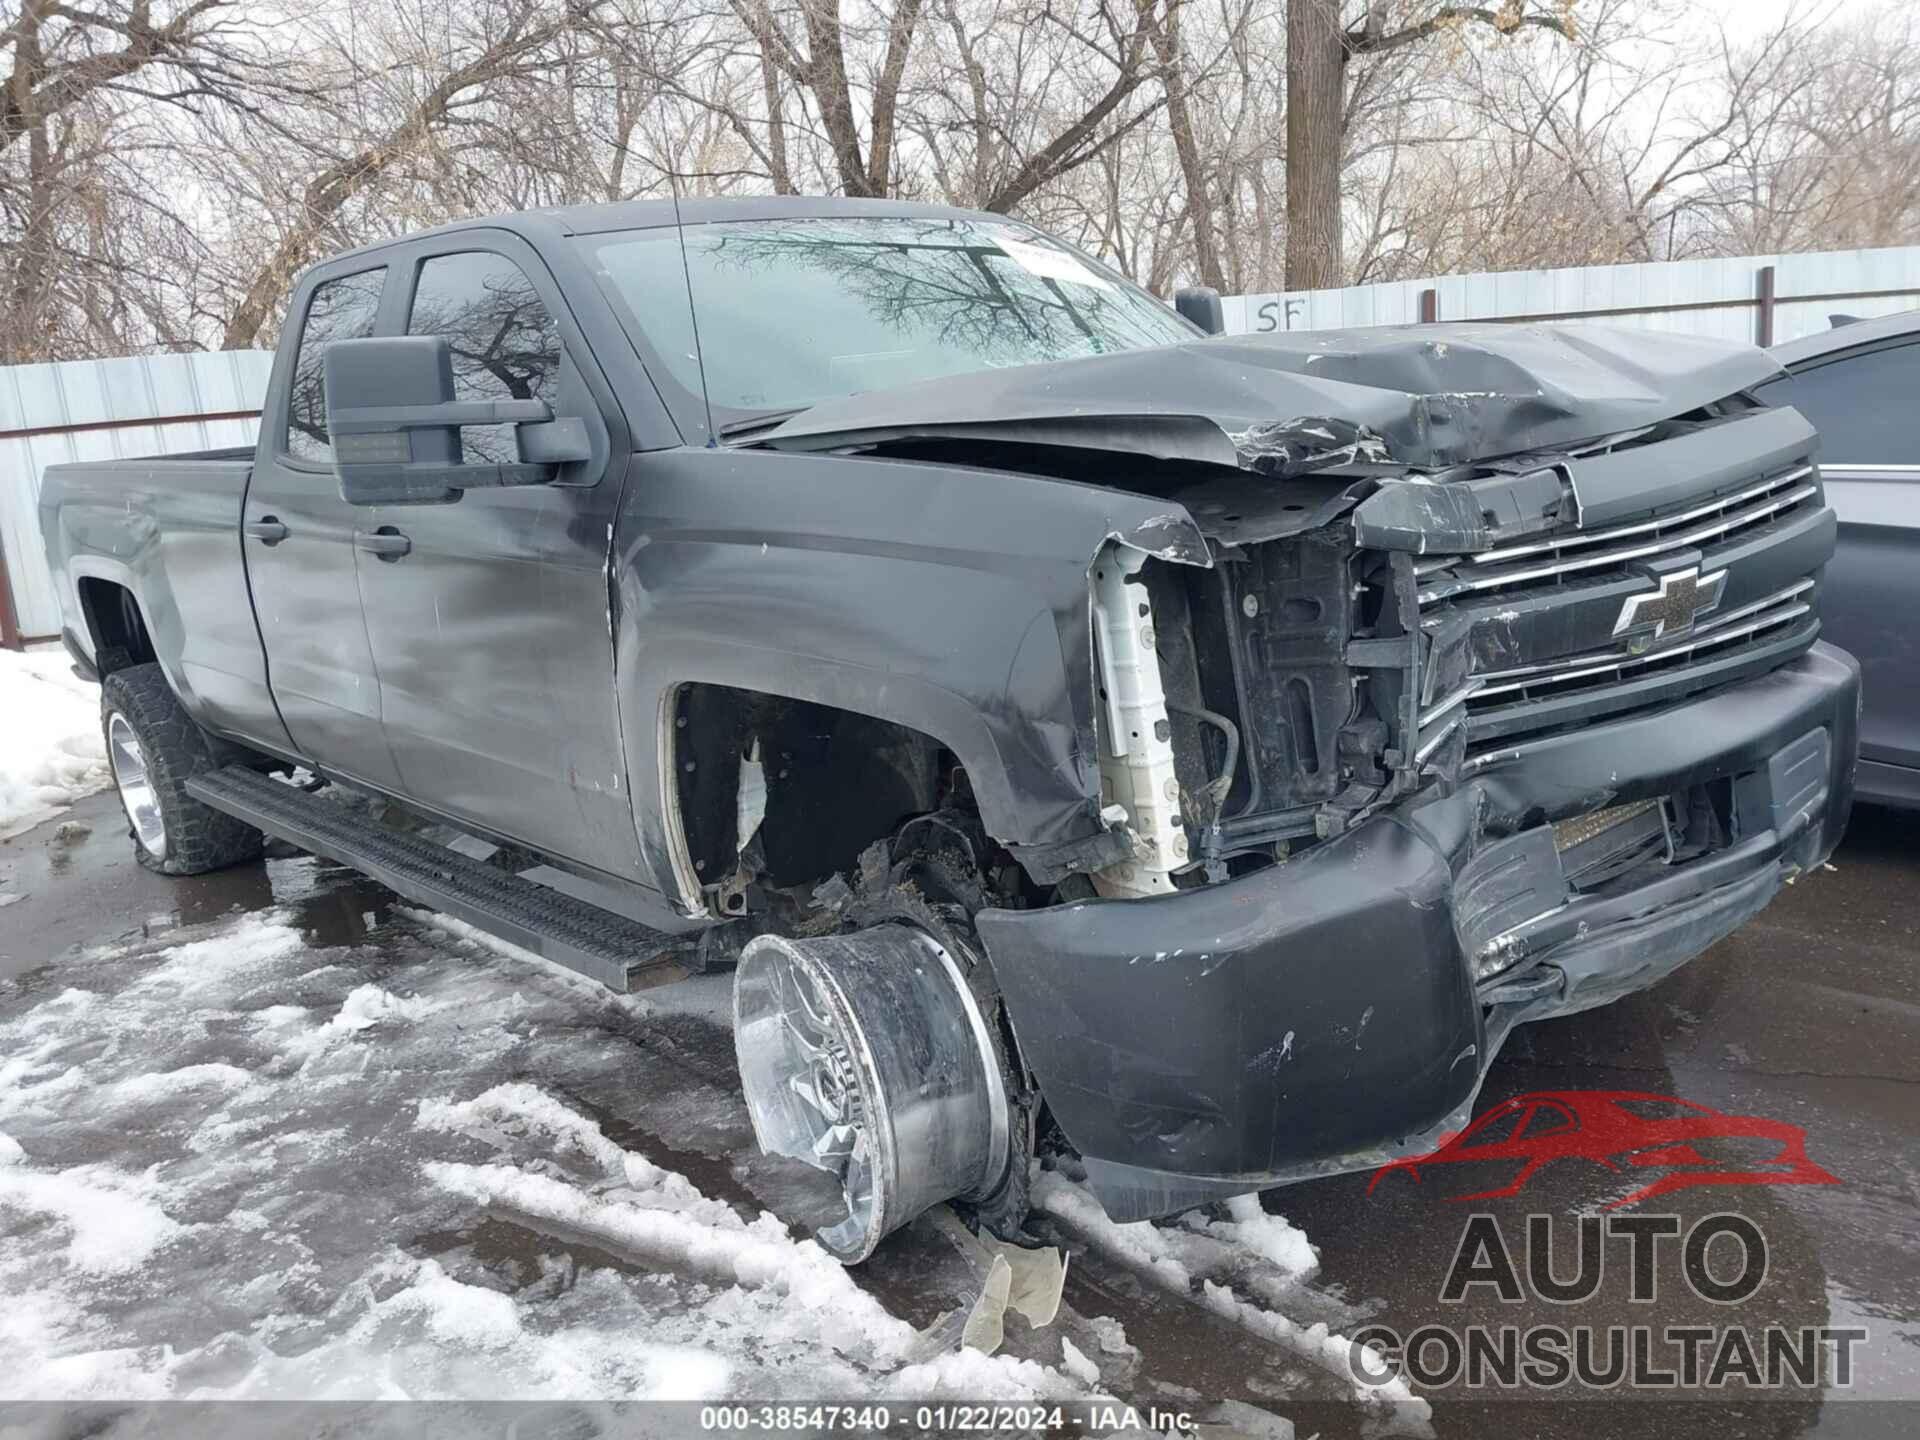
[[1423, 754], [1493, 691], [1280, 695]]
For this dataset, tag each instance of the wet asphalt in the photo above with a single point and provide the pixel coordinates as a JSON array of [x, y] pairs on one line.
[[1809, 1016]]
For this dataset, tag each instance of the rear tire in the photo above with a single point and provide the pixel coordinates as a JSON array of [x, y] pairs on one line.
[[154, 747]]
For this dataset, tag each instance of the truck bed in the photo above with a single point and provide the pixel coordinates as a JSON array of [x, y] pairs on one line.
[[168, 529]]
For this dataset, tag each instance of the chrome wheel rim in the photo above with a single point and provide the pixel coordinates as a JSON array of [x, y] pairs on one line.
[[137, 795], [832, 1126], [865, 1055]]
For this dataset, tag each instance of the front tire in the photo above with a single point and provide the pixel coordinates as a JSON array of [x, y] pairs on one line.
[[154, 747]]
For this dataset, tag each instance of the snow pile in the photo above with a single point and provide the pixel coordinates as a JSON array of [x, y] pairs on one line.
[[238, 1161], [1083, 1369], [235, 1163], [508, 1113], [643, 1212], [366, 1007], [1270, 1237], [1251, 1250], [1145, 1247], [112, 1221], [51, 751]]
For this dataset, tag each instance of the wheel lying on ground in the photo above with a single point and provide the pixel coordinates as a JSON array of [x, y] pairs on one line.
[[154, 748], [867, 1055]]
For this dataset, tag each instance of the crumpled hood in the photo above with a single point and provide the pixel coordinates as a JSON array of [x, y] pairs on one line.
[[1424, 396]]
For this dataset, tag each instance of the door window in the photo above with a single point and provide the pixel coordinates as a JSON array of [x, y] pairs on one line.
[[503, 340], [1866, 406], [342, 309]]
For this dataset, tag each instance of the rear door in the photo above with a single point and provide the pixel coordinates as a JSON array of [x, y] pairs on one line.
[[489, 616], [297, 537], [1866, 405]]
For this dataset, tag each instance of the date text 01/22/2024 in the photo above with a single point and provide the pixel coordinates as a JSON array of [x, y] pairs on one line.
[[950, 1418]]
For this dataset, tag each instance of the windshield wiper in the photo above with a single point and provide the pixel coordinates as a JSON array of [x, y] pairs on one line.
[[766, 420]]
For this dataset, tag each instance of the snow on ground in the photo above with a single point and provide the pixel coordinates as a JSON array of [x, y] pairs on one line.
[[51, 752], [236, 1163], [347, 1149], [1250, 1251]]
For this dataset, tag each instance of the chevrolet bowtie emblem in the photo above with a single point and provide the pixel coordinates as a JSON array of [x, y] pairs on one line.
[[1671, 610]]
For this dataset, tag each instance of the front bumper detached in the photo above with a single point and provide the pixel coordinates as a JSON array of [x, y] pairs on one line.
[[1322, 1016]]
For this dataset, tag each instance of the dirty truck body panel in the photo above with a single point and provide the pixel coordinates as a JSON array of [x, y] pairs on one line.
[[950, 601], [166, 530], [1328, 704]]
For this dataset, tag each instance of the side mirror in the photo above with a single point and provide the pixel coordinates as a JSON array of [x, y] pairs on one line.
[[1201, 305], [395, 426]]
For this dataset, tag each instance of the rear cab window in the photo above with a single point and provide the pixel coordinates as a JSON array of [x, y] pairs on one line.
[[344, 308]]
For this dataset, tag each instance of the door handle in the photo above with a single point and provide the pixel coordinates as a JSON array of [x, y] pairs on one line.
[[386, 542], [267, 530]]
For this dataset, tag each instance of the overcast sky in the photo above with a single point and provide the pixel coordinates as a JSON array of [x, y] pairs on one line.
[[1762, 13]]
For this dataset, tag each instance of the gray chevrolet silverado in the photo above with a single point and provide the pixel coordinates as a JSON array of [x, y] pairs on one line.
[[1194, 752]]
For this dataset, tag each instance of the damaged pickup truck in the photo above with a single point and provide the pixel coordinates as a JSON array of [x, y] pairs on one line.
[[1197, 752]]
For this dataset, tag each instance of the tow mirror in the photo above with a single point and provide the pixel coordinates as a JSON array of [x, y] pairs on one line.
[[1201, 305], [395, 426]]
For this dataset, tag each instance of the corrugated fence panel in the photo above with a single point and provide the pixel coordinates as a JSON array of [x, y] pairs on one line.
[[1716, 297], [92, 410]]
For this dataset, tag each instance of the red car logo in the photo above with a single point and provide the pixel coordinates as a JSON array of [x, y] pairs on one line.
[[1626, 1132]]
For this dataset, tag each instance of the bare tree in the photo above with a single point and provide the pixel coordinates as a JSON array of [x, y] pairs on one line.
[[168, 166], [64, 56], [1320, 45], [73, 278], [506, 40], [1822, 139]]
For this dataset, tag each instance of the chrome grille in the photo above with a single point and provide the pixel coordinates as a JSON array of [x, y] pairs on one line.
[[1588, 550], [1567, 668], [1778, 609]]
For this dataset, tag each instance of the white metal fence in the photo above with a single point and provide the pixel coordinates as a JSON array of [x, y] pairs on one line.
[[1761, 299], [104, 410]]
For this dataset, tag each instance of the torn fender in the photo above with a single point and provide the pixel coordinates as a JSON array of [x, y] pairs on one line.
[[949, 600]]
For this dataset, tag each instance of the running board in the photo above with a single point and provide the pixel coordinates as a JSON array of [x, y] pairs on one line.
[[610, 948]]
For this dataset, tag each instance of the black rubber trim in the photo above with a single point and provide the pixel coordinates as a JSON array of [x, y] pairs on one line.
[[610, 948]]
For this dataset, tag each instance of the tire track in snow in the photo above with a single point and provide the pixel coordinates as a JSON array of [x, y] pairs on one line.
[[1251, 1248]]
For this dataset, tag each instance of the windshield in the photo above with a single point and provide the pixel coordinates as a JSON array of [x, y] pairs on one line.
[[792, 312]]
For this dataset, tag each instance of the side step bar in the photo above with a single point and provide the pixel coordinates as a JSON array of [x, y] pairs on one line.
[[610, 948]]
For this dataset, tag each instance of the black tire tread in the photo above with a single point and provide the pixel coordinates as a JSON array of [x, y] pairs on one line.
[[199, 838]]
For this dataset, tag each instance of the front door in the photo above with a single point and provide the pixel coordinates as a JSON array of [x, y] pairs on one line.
[[297, 537], [488, 616]]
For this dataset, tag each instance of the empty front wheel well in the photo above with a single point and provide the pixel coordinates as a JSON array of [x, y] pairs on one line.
[[115, 625], [775, 796]]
